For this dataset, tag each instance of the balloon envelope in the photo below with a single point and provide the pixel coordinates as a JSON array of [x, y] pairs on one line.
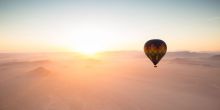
[[155, 49]]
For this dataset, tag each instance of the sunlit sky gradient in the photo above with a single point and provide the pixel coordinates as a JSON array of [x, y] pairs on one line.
[[41, 26]]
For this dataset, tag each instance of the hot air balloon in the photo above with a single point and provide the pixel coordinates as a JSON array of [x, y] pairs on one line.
[[155, 49]]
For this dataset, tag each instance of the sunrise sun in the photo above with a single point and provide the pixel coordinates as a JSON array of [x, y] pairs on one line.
[[88, 39], [87, 49]]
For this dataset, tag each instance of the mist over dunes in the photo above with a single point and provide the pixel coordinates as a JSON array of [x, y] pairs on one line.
[[124, 80]]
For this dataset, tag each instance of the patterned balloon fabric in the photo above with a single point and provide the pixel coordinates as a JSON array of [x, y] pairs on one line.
[[155, 49]]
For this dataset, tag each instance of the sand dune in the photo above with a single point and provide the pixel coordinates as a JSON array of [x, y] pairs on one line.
[[113, 81], [39, 72], [215, 57]]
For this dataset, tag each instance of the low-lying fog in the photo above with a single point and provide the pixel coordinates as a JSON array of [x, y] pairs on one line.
[[109, 81]]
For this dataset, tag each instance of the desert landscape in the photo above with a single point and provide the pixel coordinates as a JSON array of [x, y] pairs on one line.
[[124, 80]]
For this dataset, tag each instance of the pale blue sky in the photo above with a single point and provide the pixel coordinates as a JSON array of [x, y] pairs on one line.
[[64, 25]]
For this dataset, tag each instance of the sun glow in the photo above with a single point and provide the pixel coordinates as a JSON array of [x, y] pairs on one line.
[[88, 39], [87, 48]]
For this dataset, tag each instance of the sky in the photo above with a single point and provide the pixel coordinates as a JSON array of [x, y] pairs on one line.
[[108, 25]]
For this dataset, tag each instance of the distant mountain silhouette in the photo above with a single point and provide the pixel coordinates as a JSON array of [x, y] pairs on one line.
[[187, 54]]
